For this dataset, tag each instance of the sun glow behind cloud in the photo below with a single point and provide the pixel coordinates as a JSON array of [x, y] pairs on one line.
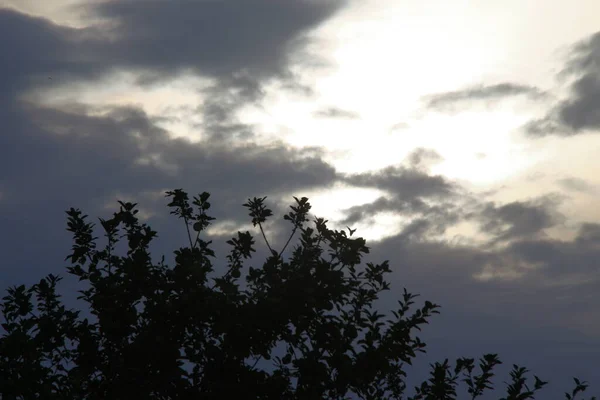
[[331, 203], [386, 56]]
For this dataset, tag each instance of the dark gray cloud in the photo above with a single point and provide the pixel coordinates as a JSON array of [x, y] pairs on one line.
[[34, 50], [589, 237], [406, 182], [365, 211], [560, 260], [334, 112], [430, 213], [215, 38], [430, 202], [551, 273], [239, 43], [440, 271], [580, 112], [57, 159], [519, 219], [576, 184], [583, 110], [57, 143], [547, 126], [426, 220], [422, 158], [504, 316], [481, 93]]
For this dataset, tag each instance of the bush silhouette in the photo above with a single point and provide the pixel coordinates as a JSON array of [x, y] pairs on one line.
[[175, 333]]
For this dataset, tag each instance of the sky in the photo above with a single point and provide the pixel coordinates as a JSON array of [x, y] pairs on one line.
[[459, 137]]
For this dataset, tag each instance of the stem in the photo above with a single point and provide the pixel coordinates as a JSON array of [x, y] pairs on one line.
[[109, 255], [256, 361], [288, 241], [187, 227], [197, 236], [265, 237]]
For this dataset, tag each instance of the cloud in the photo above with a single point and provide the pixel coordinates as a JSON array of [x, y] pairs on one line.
[[545, 269], [58, 159], [431, 203], [76, 155], [580, 112], [239, 44], [399, 127], [499, 91], [571, 266], [406, 182], [39, 49], [501, 316], [216, 38], [583, 110], [401, 206], [519, 219], [118, 142], [576, 184], [422, 158], [529, 274], [334, 112]]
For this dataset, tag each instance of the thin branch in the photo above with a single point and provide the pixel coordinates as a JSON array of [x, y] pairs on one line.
[[288, 241], [197, 236], [256, 361], [109, 255], [187, 227], [265, 237]]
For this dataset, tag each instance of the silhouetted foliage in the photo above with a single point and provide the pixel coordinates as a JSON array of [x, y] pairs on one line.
[[175, 333]]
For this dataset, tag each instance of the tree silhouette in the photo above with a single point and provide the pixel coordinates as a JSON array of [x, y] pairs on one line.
[[175, 333]]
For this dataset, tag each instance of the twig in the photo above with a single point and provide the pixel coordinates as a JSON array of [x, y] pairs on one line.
[[265, 237]]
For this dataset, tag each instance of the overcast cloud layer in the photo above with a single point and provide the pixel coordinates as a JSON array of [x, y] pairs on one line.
[[507, 282]]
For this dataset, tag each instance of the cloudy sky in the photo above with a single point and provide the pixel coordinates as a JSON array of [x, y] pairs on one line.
[[460, 137]]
